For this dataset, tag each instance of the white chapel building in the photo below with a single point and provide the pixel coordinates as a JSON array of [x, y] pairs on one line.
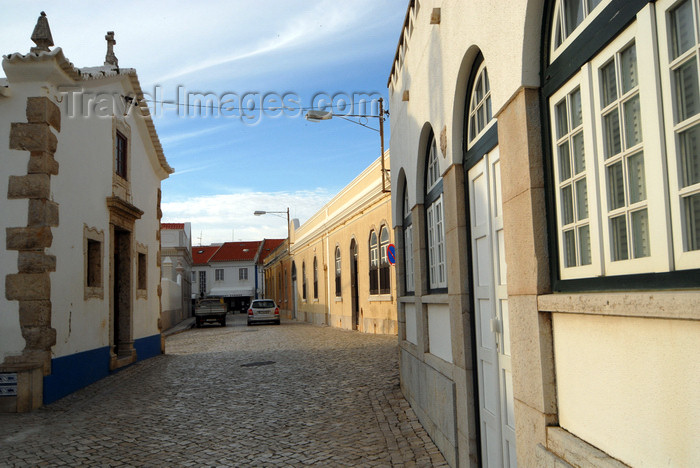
[[80, 173]]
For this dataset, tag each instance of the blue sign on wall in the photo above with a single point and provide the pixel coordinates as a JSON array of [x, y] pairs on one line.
[[391, 253]]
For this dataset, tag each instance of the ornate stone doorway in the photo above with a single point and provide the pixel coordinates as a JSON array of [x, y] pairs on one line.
[[122, 218], [121, 340]]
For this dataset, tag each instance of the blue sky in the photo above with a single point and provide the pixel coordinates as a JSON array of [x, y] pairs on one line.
[[226, 166]]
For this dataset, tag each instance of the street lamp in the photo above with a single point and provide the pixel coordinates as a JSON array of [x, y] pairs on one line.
[[318, 115], [289, 240], [261, 212]]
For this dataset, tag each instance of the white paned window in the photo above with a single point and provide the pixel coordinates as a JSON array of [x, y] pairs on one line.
[[373, 264], [626, 150], [622, 150], [679, 52], [384, 268], [570, 18], [437, 274], [408, 246], [573, 207], [408, 257], [480, 105], [219, 274], [436, 245], [243, 274], [433, 167]]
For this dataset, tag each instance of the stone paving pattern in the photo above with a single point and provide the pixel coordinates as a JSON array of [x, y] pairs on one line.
[[331, 398]]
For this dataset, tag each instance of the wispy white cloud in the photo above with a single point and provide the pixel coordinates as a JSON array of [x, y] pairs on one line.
[[173, 138], [313, 25], [222, 218]]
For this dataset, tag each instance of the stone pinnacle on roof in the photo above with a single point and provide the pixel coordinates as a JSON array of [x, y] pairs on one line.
[[110, 58], [42, 35]]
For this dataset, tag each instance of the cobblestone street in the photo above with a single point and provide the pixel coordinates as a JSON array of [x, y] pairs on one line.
[[267, 395]]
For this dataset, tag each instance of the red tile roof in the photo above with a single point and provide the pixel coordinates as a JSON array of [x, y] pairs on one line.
[[268, 246], [202, 254], [172, 225], [236, 251]]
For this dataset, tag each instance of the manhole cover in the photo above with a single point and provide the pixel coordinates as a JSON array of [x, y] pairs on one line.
[[258, 364]]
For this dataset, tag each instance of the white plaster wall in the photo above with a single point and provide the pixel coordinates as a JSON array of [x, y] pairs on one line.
[[230, 280], [144, 188], [436, 68], [85, 157], [231, 276], [172, 295], [84, 181], [13, 214], [411, 321], [439, 331], [170, 238], [632, 395]]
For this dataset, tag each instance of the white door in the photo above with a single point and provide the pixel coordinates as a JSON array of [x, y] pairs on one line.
[[496, 414]]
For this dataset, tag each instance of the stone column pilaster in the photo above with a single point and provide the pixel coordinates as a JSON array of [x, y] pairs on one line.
[[31, 285], [527, 256]]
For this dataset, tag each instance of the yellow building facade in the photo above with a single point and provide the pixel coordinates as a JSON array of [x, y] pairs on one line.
[[337, 272]]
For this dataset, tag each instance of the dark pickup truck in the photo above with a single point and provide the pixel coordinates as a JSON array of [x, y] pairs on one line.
[[210, 309]]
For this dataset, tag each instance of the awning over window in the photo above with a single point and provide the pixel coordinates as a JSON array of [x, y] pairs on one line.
[[231, 292]]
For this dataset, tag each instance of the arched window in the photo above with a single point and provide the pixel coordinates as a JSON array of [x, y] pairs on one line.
[[407, 243], [303, 280], [435, 226], [623, 123], [315, 278], [480, 104], [373, 263], [568, 16], [338, 291], [384, 269]]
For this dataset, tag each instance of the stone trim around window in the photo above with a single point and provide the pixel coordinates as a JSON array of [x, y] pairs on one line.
[[141, 256], [93, 263], [121, 187]]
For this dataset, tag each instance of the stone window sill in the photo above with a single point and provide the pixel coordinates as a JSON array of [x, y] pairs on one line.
[[381, 298], [94, 293], [649, 304]]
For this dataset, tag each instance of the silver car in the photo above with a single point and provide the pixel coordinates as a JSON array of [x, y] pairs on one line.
[[263, 310]]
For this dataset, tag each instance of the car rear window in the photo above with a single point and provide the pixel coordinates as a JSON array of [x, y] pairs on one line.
[[264, 304]]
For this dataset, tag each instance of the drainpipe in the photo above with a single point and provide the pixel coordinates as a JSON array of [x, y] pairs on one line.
[[256, 281]]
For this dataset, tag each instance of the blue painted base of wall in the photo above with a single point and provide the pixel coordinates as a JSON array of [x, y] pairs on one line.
[[73, 372], [147, 347]]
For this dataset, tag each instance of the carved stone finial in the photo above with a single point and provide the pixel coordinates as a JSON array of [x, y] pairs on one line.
[[110, 58], [42, 35]]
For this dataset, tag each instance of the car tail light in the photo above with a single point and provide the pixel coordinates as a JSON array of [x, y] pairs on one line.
[[277, 310], [250, 311]]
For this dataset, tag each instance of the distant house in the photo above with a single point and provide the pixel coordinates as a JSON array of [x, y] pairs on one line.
[[79, 248], [176, 272], [229, 271]]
